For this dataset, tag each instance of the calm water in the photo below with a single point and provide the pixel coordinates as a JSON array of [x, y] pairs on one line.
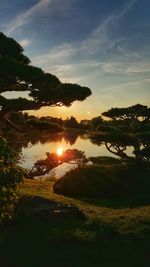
[[36, 149]]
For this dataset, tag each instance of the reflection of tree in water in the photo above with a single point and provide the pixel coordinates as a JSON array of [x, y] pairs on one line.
[[19, 140], [70, 138], [84, 136], [44, 138], [47, 138], [22, 140]]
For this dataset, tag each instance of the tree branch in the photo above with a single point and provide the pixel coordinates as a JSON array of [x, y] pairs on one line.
[[119, 152], [14, 126]]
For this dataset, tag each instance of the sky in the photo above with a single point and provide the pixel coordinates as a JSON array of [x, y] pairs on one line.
[[101, 44]]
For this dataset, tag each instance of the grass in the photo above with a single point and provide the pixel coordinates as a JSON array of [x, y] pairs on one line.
[[116, 233], [107, 211]]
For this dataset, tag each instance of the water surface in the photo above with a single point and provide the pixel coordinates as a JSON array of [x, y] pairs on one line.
[[36, 149]]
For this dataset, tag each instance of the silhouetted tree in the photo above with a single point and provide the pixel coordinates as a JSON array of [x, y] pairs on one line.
[[71, 122], [52, 160], [134, 117], [45, 89], [95, 122], [115, 143]]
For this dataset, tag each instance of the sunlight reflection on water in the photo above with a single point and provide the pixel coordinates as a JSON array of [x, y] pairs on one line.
[[37, 150]]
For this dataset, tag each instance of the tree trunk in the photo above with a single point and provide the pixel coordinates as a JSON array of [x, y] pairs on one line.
[[118, 150], [137, 150]]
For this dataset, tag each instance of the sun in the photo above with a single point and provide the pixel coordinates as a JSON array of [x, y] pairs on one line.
[[59, 151]]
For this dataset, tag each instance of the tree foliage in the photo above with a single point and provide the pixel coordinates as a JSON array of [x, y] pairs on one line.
[[16, 74], [71, 122], [117, 143], [53, 160], [10, 176], [96, 122], [135, 117]]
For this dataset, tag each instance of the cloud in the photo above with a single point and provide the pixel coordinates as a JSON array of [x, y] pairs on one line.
[[25, 16], [98, 55], [141, 69], [65, 62], [25, 43], [55, 55], [100, 38], [41, 6], [127, 8]]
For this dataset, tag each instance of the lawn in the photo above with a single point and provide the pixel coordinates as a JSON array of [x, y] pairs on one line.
[[112, 233]]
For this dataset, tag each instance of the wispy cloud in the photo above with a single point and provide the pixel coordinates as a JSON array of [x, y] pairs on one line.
[[77, 61], [141, 69], [55, 55], [25, 43], [126, 8], [26, 16], [100, 38]]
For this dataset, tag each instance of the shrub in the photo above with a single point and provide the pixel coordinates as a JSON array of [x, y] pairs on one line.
[[105, 160], [10, 176], [105, 181], [44, 125], [90, 181]]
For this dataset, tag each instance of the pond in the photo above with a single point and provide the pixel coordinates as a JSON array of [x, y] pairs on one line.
[[35, 147]]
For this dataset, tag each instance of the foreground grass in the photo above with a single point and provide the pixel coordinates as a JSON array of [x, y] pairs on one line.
[[115, 234], [127, 215]]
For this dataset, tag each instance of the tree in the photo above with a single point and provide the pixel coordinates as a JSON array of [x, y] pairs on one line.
[[116, 143], [96, 122], [71, 123], [53, 160], [16, 74], [134, 117], [10, 176]]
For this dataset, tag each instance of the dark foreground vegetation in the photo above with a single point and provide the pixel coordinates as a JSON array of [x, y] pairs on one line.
[[113, 233], [106, 181]]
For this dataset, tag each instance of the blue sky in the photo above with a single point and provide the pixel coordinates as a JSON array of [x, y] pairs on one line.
[[103, 44]]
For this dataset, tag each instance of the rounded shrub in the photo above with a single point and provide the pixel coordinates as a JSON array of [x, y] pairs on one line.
[[90, 181], [98, 181]]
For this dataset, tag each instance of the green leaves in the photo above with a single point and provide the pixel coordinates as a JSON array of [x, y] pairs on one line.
[[10, 177]]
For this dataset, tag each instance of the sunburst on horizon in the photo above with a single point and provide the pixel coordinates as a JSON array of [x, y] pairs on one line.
[[59, 151]]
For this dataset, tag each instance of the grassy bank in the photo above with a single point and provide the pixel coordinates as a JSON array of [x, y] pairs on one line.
[[115, 233]]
